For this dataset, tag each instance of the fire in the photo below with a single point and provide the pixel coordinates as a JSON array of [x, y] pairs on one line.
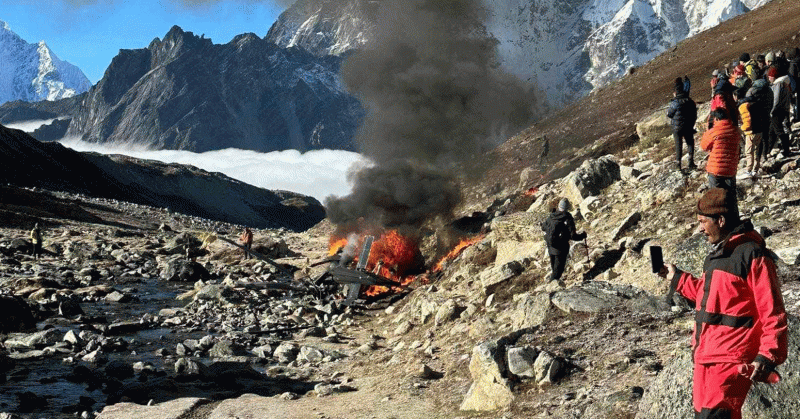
[[531, 191], [463, 244], [392, 256], [335, 244]]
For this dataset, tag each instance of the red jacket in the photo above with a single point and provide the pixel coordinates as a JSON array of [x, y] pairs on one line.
[[740, 316], [722, 141]]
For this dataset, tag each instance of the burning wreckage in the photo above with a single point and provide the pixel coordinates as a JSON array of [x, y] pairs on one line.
[[363, 267]]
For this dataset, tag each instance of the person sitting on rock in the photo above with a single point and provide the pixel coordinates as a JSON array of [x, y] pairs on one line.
[[559, 229]]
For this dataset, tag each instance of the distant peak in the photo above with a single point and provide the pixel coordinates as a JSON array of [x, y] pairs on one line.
[[4, 25]]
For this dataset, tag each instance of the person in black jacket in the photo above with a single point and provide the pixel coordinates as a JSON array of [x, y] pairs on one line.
[[559, 229], [683, 113], [794, 72]]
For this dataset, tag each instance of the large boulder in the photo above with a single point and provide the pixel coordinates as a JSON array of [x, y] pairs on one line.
[[182, 270], [597, 296], [669, 396], [490, 390], [654, 128], [518, 236], [16, 314], [591, 178]]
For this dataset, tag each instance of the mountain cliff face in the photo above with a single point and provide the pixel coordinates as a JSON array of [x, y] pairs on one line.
[[32, 72], [566, 47], [184, 92], [25, 161]]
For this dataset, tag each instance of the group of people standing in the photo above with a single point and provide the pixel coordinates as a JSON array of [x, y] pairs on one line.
[[740, 319], [755, 100]]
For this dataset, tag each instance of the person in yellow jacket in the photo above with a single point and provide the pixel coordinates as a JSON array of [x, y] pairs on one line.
[[36, 239], [752, 139]]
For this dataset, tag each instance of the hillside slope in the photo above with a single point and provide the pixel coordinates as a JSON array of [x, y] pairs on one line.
[[605, 119], [28, 163]]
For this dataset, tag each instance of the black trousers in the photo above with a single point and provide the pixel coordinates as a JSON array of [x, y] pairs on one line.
[[680, 138], [558, 263], [776, 133]]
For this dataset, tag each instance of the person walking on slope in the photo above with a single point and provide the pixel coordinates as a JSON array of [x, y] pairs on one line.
[[722, 144], [545, 149], [559, 229], [740, 319], [36, 240], [755, 121], [683, 113], [247, 239]]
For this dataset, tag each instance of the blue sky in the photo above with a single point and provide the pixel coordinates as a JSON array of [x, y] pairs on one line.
[[89, 33]]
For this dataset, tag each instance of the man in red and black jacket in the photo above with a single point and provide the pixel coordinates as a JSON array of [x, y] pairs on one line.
[[740, 317]]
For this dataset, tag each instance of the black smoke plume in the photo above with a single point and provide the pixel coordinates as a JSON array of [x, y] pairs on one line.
[[436, 99]]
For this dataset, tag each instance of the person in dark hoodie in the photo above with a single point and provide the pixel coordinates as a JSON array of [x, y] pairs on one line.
[[794, 73], [683, 113], [740, 319], [559, 229]]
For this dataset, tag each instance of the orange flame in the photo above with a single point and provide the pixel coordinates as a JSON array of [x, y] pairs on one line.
[[463, 244], [335, 244], [531, 191], [392, 256]]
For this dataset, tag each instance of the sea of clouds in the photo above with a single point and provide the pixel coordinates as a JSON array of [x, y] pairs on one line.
[[317, 173]]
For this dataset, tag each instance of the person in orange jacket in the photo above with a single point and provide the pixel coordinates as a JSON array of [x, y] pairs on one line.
[[722, 143], [740, 320]]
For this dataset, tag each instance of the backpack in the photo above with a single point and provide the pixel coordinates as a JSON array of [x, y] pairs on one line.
[[556, 232], [762, 95]]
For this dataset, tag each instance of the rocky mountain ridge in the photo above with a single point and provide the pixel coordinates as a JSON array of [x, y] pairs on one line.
[[184, 92], [185, 189], [32, 72]]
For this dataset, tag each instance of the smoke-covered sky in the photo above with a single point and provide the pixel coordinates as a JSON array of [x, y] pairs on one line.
[[89, 33], [436, 101]]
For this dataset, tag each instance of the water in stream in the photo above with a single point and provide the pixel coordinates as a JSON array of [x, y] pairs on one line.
[[47, 377]]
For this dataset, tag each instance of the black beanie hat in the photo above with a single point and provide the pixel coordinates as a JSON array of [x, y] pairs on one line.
[[744, 57], [678, 85]]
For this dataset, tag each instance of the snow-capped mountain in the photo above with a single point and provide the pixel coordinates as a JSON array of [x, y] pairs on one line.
[[566, 47], [32, 72]]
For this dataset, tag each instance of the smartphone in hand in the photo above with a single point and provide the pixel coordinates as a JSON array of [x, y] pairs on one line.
[[656, 258]]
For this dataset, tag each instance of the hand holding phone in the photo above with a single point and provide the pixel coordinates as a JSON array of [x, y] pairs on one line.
[[656, 259]]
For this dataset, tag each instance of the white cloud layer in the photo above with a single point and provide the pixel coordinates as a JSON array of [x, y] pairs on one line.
[[317, 173], [29, 126]]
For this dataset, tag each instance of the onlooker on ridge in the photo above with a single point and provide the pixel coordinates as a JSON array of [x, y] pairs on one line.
[[780, 111], [723, 99], [760, 105], [722, 143], [740, 324], [794, 73], [683, 113], [750, 66]]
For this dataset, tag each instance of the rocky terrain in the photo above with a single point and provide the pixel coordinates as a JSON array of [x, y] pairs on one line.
[[114, 319]]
